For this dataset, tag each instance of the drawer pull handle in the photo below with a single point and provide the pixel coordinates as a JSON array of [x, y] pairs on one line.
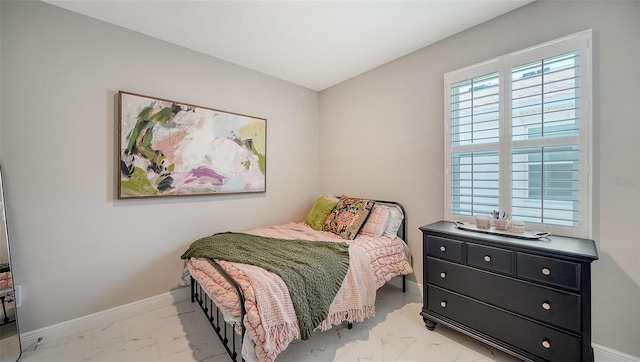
[[487, 258], [442, 248], [443, 304], [546, 306], [546, 344], [443, 275], [546, 271]]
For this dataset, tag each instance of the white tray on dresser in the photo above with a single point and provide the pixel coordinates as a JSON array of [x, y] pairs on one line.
[[527, 234]]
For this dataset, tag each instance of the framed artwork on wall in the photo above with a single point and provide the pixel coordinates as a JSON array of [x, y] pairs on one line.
[[167, 148]]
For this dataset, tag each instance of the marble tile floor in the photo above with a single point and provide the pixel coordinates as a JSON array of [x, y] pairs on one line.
[[180, 333]]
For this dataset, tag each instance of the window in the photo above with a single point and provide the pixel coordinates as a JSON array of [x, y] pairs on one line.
[[518, 137]]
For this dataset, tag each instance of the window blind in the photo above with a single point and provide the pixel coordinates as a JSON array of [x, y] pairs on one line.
[[545, 110], [475, 120], [475, 112], [546, 185], [474, 182], [545, 98], [517, 132]]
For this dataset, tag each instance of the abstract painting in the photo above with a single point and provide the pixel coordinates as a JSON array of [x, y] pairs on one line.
[[175, 149]]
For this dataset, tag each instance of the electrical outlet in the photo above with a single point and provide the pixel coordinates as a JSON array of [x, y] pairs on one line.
[[17, 294]]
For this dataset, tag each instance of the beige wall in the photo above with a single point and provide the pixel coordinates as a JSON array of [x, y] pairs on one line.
[[381, 134], [76, 250]]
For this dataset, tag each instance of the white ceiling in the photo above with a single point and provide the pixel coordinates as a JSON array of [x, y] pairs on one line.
[[315, 44]]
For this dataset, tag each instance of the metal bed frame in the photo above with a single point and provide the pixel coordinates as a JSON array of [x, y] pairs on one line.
[[209, 307], [233, 343]]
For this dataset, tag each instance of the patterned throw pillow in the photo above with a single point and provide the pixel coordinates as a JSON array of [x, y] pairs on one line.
[[377, 221], [319, 211], [348, 216]]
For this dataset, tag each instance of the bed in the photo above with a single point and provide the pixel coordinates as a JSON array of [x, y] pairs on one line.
[[263, 288]]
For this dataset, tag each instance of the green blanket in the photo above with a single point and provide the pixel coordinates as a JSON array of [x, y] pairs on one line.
[[312, 270]]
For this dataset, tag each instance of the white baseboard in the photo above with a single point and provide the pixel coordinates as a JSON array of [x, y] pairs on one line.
[[606, 354], [96, 320]]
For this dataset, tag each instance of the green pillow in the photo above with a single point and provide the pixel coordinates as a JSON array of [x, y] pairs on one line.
[[319, 212]]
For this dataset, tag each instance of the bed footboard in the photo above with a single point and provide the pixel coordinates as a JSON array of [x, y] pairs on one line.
[[231, 341]]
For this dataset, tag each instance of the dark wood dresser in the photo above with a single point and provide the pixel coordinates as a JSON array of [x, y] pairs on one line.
[[530, 298]]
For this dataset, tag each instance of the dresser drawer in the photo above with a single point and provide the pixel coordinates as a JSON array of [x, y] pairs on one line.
[[549, 271], [489, 258], [548, 305], [445, 248], [531, 337]]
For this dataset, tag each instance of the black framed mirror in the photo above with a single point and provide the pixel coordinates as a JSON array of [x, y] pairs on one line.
[[10, 349]]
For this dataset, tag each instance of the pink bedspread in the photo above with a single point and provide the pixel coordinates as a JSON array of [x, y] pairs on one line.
[[270, 320]]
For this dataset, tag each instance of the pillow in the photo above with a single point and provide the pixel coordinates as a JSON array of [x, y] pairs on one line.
[[348, 216], [377, 221], [332, 198], [395, 220], [319, 211]]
